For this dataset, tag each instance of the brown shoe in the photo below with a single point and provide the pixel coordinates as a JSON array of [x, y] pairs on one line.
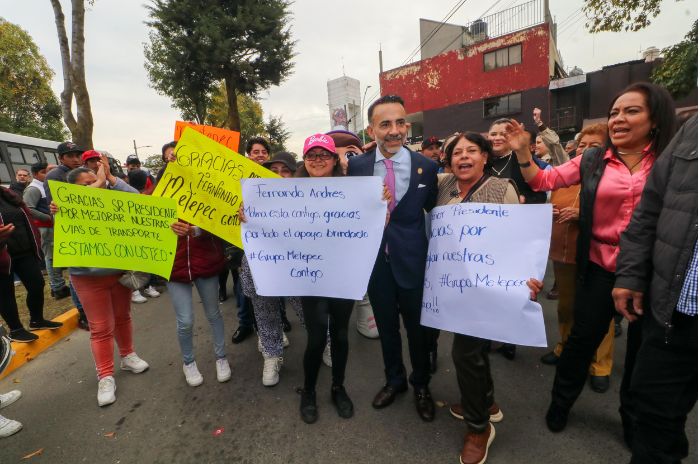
[[495, 413], [476, 446]]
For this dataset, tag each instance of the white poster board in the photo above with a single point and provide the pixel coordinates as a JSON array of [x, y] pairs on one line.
[[313, 236], [479, 260]]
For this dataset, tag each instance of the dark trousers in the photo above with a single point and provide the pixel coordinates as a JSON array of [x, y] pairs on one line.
[[28, 270], [593, 311], [389, 301], [471, 359], [322, 315], [665, 387]]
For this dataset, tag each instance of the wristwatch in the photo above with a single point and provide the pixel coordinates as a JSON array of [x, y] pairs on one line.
[[525, 164]]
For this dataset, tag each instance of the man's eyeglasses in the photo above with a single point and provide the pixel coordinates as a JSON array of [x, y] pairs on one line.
[[350, 154], [325, 156]]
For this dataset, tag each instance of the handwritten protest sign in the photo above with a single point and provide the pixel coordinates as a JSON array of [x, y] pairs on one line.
[[205, 182], [313, 237], [115, 230], [479, 260], [225, 137]]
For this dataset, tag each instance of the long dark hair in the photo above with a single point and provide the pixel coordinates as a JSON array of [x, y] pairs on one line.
[[475, 138], [337, 170], [661, 112]]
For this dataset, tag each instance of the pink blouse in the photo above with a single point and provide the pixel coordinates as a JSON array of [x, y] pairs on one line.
[[618, 194]]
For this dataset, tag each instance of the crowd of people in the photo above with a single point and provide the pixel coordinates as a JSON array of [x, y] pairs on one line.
[[624, 241]]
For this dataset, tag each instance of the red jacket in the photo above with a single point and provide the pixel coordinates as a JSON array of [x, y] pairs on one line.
[[197, 257]]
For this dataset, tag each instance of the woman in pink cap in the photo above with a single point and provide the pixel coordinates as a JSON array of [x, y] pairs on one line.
[[324, 314]]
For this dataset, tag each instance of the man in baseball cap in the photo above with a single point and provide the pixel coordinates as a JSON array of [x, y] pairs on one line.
[[430, 148], [91, 160]]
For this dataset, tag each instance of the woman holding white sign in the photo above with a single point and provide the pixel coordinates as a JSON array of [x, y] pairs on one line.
[[641, 122], [322, 314], [467, 155]]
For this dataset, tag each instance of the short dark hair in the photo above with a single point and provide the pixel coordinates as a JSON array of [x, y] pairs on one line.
[[260, 141], [36, 167], [137, 179], [382, 101], [475, 138], [166, 146], [661, 112], [73, 175]]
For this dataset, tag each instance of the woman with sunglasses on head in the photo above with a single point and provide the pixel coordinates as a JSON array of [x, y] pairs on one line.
[[641, 122]]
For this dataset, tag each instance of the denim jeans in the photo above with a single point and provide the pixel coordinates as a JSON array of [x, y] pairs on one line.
[[181, 296], [55, 274]]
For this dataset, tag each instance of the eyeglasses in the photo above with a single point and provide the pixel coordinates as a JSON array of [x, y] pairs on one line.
[[325, 156], [350, 154]]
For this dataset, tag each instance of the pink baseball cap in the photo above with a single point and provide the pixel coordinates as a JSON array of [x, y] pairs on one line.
[[319, 140]]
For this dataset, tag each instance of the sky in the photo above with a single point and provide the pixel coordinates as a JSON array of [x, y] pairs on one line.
[[332, 37]]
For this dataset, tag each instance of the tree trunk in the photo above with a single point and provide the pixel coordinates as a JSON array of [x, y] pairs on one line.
[[83, 136], [73, 65], [233, 120]]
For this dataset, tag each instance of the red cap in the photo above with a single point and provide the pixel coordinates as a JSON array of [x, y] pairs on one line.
[[90, 154]]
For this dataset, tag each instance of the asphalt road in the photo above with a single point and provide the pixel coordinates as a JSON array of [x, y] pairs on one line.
[[159, 419]]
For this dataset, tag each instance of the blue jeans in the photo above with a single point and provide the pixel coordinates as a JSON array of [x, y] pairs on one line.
[[55, 274], [181, 296]]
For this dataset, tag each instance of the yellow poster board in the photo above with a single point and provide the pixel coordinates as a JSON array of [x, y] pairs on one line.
[[97, 227], [205, 181], [225, 137]]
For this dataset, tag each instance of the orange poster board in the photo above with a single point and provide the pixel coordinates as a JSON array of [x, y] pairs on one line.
[[225, 137]]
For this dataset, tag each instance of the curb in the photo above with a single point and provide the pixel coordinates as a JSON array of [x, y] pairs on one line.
[[25, 352]]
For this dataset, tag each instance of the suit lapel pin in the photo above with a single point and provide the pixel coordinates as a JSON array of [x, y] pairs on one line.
[[420, 170]]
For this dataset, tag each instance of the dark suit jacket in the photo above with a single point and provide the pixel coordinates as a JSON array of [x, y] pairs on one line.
[[405, 233]]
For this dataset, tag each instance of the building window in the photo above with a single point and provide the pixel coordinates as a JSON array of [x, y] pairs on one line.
[[503, 105], [503, 57]]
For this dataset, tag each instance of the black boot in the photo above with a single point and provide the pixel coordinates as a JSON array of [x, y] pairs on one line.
[[307, 407]]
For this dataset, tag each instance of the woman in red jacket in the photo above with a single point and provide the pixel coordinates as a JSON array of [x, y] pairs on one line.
[[198, 260]]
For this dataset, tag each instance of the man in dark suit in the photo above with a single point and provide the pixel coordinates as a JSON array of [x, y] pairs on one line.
[[396, 284]]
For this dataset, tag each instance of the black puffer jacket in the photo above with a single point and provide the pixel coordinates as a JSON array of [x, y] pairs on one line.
[[658, 244]]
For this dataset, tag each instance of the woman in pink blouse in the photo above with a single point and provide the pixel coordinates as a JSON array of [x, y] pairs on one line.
[[641, 122]]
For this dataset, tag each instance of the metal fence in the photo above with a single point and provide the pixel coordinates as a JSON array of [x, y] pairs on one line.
[[507, 21]]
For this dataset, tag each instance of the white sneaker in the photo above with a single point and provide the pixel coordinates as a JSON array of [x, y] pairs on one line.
[[105, 391], [327, 356], [136, 297], [285, 340], [9, 427], [192, 375], [223, 370], [366, 325], [132, 362], [271, 371], [151, 292], [9, 398]]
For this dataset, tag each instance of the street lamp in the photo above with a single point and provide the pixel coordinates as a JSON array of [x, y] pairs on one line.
[[364, 130], [136, 152]]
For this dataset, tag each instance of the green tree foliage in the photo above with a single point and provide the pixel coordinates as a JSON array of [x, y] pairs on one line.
[[28, 106], [679, 70], [196, 44], [154, 163], [250, 111], [277, 133], [620, 15]]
